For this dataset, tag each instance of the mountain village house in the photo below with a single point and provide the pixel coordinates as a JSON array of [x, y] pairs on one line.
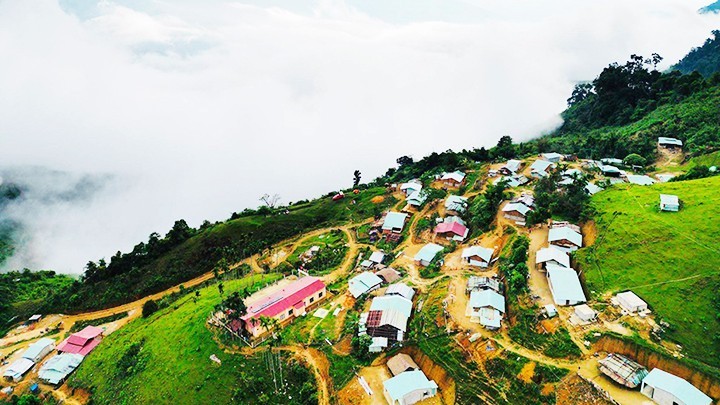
[[410, 187], [408, 388], [552, 157], [387, 318], [511, 167], [477, 256], [670, 143], [293, 300], [566, 237], [541, 168], [453, 180], [516, 212], [668, 389], [551, 256], [455, 204], [426, 255], [82, 342], [669, 202], [363, 283], [565, 286], [452, 230]]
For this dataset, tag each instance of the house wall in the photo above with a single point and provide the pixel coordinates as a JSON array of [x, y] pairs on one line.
[[417, 396], [515, 216], [289, 314], [476, 261], [388, 331], [661, 396]]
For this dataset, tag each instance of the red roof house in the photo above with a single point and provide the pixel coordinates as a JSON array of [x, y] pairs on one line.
[[82, 342], [289, 302], [452, 230]]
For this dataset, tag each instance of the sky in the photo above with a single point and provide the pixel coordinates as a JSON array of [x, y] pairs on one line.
[[151, 111]]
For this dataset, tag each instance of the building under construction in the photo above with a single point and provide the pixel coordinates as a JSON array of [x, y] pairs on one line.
[[622, 370]]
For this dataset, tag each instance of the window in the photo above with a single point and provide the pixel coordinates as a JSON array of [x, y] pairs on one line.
[[311, 300], [290, 312], [320, 295]]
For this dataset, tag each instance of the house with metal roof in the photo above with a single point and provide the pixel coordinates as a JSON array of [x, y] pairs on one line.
[[668, 389], [400, 289], [452, 231], [456, 204], [17, 369], [388, 317], [427, 254], [541, 168], [378, 344], [454, 179], [401, 363], [669, 202], [669, 142], [58, 367], [364, 283], [640, 180], [592, 188], [516, 212], [408, 388], [622, 370], [565, 286], [610, 170], [511, 167], [565, 238], [552, 157], [630, 302], [388, 274], [284, 305], [513, 181], [411, 187], [486, 307], [394, 222], [551, 255], [39, 349], [585, 314], [612, 161], [377, 257], [82, 342], [477, 256], [417, 198]]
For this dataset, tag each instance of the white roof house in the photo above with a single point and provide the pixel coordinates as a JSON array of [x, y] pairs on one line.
[[456, 176], [477, 255], [486, 307], [565, 238], [417, 198], [55, 370], [39, 349], [408, 388], [565, 286], [641, 180], [541, 168], [363, 283], [668, 389], [377, 344], [669, 202], [18, 368], [400, 289], [664, 177], [665, 141], [428, 253], [552, 157], [512, 166], [521, 208], [585, 313], [456, 203], [410, 187], [609, 170], [592, 188], [377, 257], [552, 255], [630, 302], [394, 221]]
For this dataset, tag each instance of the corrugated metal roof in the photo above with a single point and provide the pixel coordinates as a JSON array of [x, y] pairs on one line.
[[482, 252], [417, 198], [519, 207], [454, 227], [677, 386], [407, 382], [394, 302], [428, 252], [513, 165], [18, 368], [38, 347], [487, 298], [669, 141], [284, 299], [456, 203], [541, 166], [59, 367], [363, 283], [669, 199], [400, 289], [456, 175], [565, 285], [550, 253], [394, 220], [641, 180], [377, 257], [400, 363], [564, 232]]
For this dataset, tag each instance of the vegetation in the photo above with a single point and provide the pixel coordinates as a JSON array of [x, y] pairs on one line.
[[149, 308], [332, 252], [513, 266], [557, 344], [668, 259], [185, 253], [704, 59], [132, 365], [483, 209], [555, 200]]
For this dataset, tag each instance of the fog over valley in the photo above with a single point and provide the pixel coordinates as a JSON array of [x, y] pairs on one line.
[[118, 118]]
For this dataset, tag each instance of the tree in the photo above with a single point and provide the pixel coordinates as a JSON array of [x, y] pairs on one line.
[[235, 305], [356, 178], [270, 201], [149, 308], [221, 288], [505, 148], [580, 93], [634, 159], [404, 161]]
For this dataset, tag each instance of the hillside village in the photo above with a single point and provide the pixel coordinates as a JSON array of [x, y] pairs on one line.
[[415, 272]]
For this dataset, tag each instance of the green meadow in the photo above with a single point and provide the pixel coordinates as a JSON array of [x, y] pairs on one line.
[[670, 259], [154, 360]]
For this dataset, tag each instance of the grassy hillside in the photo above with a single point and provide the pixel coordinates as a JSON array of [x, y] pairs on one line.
[[152, 361], [234, 240], [671, 260]]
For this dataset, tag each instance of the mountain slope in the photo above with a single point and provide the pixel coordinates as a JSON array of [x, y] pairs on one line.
[[706, 58]]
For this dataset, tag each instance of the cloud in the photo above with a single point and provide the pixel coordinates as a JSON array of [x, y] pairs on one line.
[[194, 109]]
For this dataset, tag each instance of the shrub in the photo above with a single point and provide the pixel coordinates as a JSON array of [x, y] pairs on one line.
[[149, 308]]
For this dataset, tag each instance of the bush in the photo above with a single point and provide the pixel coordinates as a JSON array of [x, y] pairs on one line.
[[634, 159], [149, 308]]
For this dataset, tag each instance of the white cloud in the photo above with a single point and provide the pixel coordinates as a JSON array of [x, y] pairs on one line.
[[197, 108]]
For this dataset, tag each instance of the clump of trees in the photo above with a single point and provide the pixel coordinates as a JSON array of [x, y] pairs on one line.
[[482, 211], [552, 199], [149, 308], [514, 266]]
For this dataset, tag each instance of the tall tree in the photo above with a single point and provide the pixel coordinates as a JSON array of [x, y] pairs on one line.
[[356, 178]]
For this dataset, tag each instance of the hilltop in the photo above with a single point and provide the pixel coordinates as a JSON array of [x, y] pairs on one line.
[[706, 58]]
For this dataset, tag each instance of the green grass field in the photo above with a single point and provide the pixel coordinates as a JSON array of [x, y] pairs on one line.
[[173, 363], [671, 260]]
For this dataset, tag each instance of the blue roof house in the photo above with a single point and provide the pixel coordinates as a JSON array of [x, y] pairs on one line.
[[408, 388], [427, 254], [668, 389]]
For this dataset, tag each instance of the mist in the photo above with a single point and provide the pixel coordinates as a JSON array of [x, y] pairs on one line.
[[194, 109]]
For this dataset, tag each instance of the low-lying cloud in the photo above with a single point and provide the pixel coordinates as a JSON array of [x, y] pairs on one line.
[[194, 109]]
